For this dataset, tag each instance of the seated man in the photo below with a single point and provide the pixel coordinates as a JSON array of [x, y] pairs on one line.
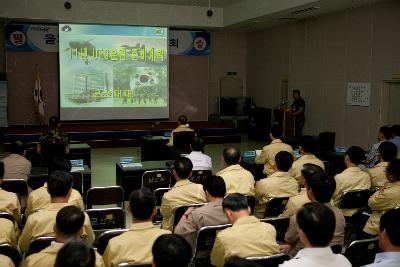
[[267, 156], [134, 246], [387, 152], [320, 188], [396, 137], [183, 126], [385, 198], [306, 150], [237, 179], [316, 227], [278, 184], [69, 223], [199, 160], [247, 237], [41, 223], [389, 240], [184, 192], [295, 203], [16, 166], [171, 250], [384, 134], [209, 214], [6, 261], [352, 178], [40, 198], [9, 202], [76, 253]]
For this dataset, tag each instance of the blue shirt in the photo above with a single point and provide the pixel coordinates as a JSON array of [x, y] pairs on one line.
[[396, 140], [386, 259]]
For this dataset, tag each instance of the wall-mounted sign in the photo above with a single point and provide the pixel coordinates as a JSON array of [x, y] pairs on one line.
[[358, 94], [189, 43]]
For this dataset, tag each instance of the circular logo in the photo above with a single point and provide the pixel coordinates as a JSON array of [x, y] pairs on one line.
[[18, 38], [200, 44]]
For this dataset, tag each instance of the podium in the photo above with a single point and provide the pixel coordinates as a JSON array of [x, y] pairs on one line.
[[285, 120]]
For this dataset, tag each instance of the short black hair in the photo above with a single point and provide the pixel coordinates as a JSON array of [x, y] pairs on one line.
[[142, 203], [76, 253], [388, 151], [296, 91], [284, 160], [356, 154], [18, 148], [231, 155], [1, 170], [235, 202], [215, 185], [386, 131], [70, 220], [236, 261], [183, 167], [197, 144], [310, 169], [59, 164], [307, 143], [276, 131], [54, 121], [396, 130], [390, 221], [322, 186], [318, 223], [171, 250], [182, 119], [59, 183], [394, 169]]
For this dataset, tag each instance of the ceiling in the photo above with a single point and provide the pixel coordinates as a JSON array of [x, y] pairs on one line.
[[214, 3]]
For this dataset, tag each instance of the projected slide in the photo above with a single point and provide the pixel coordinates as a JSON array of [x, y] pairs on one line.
[[113, 72]]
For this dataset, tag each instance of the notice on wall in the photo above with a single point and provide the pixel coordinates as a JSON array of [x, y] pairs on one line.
[[358, 94]]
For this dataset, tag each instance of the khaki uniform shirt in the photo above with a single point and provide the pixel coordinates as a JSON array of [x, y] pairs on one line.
[[40, 198], [207, 215], [180, 128], [292, 235], [8, 232], [16, 167], [9, 202], [278, 184], [183, 193], [238, 180], [134, 246], [295, 203], [297, 166], [6, 261], [350, 179], [47, 257], [378, 174], [267, 156], [383, 200], [42, 223]]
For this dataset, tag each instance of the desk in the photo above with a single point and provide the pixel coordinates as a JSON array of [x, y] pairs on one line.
[[155, 148], [130, 178]]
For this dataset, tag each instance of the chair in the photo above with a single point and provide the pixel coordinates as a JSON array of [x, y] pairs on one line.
[[178, 213], [77, 181], [270, 261], [105, 237], [125, 264], [105, 219], [11, 252], [156, 179], [8, 216], [105, 196], [275, 206], [40, 243], [281, 225], [182, 141], [251, 201], [159, 193], [355, 199], [362, 252], [37, 181], [17, 186], [199, 176]]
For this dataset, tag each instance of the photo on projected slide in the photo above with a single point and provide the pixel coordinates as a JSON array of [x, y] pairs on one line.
[[103, 66]]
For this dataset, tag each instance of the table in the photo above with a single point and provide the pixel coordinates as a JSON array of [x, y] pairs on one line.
[[155, 148], [130, 178]]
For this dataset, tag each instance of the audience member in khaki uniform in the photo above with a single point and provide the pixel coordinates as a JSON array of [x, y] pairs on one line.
[[316, 228], [237, 179], [69, 225], [77, 252], [40, 198], [6, 261], [267, 156], [171, 250], [41, 223], [386, 198], [278, 184], [183, 126], [352, 178], [387, 152], [320, 188], [247, 237], [16, 166], [134, 246], [209, 214], [184, 192], [306, 149]]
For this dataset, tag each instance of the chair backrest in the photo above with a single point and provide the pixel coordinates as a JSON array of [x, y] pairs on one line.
[[281, 225], [251, 201], [327, 141], [275, 206], [156, 179], [77, 181], [105, 196], [355, 199], [105, 237], [362, 252], [178, 213], [159, 193], [40, 243], [110, 218], [6, 215], [11, 252], [270, 261], [182, 141], [199, 176], [36, 181], [125, 264], [17, 186]]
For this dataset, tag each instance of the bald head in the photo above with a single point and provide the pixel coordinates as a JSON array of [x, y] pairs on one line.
[[231, 156]]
